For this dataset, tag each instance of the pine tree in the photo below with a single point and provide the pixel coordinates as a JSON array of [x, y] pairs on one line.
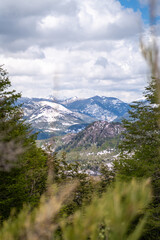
[[23, 167], [139, 151], [141, 140], [9, 115]]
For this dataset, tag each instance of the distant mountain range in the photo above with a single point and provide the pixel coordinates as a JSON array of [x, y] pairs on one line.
[[51, 117], [100, 108]]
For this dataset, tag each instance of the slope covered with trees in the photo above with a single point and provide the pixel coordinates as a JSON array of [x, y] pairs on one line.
[[23, 167], [140, 148], [140, 151]]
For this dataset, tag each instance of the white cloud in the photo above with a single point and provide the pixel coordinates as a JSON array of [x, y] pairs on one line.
[[72, 47], [53, 22]]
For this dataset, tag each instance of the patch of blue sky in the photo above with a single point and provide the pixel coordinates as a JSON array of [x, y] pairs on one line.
[[137, 6]]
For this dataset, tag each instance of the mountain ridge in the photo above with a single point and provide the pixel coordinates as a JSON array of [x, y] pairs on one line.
[[95, 133], [102, 108], [51, 117]]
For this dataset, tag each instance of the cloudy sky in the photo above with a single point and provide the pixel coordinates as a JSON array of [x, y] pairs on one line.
[[74, 47]]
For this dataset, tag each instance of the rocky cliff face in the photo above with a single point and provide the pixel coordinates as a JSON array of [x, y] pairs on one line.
[[96, 133]]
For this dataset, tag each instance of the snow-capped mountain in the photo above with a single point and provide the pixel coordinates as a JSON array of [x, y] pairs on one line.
[[51, 118], [56, 117], [69, 100], [100, 108]]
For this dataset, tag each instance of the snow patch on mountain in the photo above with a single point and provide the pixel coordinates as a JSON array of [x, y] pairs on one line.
[[70, 100], [55, 106], [99, 113], [45, 114], [116, 101]]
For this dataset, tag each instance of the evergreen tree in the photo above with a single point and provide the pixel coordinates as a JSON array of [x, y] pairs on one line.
[[140, 151], [9, 116], [140, 144], [23, 168]]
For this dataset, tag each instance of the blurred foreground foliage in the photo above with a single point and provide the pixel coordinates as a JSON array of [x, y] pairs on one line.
[[107, 217]]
